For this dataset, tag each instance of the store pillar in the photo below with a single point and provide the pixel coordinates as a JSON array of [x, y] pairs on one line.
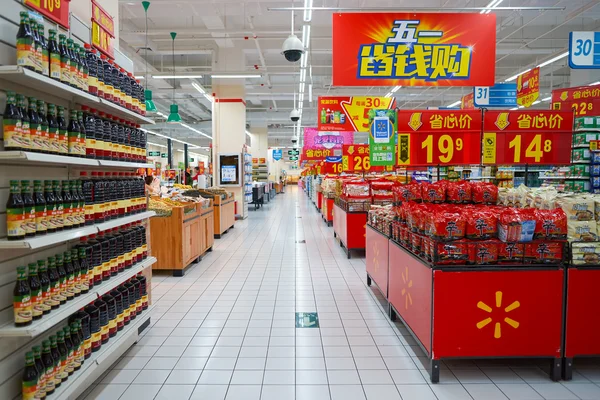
[[169, 153]]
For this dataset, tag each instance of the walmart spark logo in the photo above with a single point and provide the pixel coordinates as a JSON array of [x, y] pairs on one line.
[[498, 326], [406, 290]]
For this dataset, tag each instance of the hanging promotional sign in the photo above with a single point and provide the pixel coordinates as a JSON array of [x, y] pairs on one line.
[[528, 87], [439, 137], [315, 139], [103, 30], [277, 154], [315, 154], [467, 102], [527, 137], [584, 100], [584, 50], [201, 169], [500, 95], [54, 10], [414, 49], [382, 138], [349, 113]]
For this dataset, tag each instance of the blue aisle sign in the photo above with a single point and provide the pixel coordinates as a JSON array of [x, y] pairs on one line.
[[277, 154], [499, 95], [584, 50]]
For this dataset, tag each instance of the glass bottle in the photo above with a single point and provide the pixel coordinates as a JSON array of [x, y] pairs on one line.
[[105, 256], [25, 134], [76, 193], [35, 127], [51, 207], [53, 138], [92, 64], [28, 209], [38, 47], [54, 277], [11, 124], [77, 272], [72, 64], [77, 340], [30, 378], [108, 84], [64, 355], [45, 285], [65, 60], [82, 134], [87, 274], [85, 71], [59, 206], [70, 368], [62, 278], [88, 192], [54, 55], [99, 134], [39, 366], [78, 66], [74, 135], [41, 213], [25, 43], [95, 334], [22, 299], [35, 288], [96, 265], [15, 213], [67, 202], [84, 325], [111, 305], [88, 124], [63, 133], [57, 364], [103, 309], [41, 106], [45, 53], [48, 362], [70, 272]]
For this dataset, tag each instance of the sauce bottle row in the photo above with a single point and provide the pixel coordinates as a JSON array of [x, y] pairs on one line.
[[43, 128], [80, 67], [46, 285]]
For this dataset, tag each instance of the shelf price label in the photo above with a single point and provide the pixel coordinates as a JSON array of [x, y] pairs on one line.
[[584, 100], [527, 137], [55, 10], [439, 137]]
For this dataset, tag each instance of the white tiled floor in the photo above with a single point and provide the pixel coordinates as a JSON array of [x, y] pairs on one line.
[[227, 330]]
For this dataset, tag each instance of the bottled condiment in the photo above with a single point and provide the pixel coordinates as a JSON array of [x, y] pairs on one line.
[[45, 286], [74, 135], [54, 55], [59, 205], [64, 356], [92, 64], [62, 278], [45, 54], [63, 133], [98, 199], [77, 339], [95, 328], [11, 124], [84, 324], [109, 138], [35, 127], [55, 293], [88, 192], [49, 363], [53, 136], [39, 366], [96, 250], [41, 215], [144, 290], [76, 190], [101, 84], [87, 273], [112, 195], [51, 207], [115, 82], [25, 43], [105, 256], [87, 126], [78, 66], [30, 378], [35, 288], [126, 304], [67, 203], [15, 213], [99, 134], [76, 271], [108, 84], [25, 134], [70, 272], [132, 306], [28, 209], [41, 107], [111, 305], [138, 294], [22, 299], [70, 368], [118, 296], [65, 60], [57, 362], [37, 45], [103, 309], [72, 64]]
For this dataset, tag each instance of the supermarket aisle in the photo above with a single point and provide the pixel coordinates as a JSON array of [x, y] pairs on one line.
[[227, 330]]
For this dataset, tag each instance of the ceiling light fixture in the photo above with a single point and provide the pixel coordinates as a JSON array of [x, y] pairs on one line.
[[237, 76], [493, 4], [512, 78], [161, 114], [595, 83], [248, 133], [307, 10], [306, 36], [174, 116], [550, 61], [310, 92], [139, 77], [198, 88], [536, 102], [176, 76], [195, 130], [456, 103], [156, 144], [148, 102], [547, 98]]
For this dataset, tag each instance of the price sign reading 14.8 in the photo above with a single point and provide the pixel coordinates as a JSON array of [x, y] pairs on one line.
[[534, 152]]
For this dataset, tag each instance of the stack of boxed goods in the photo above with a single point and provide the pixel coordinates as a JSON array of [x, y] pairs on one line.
[[381, 218], [356, 195], [460, 223], [585, 161], [381, 190]]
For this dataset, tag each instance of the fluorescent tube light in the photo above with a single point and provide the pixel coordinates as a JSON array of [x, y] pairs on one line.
[[239, 76], [310, 92], [563, 55], [306, 36], [395, 89], [161, 114], [456, 103], [304, 60], [138, 77], [512, 78], [248, 133], [308, 10], [198, 88], [176, 76], [493, 4], [595, 83], [515, 108], [547, 98], [195, 130], [536, 102], [156, 144]]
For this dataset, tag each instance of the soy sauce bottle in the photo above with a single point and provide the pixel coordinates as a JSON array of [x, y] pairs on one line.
[[62, 279], [111, 305], [143, 290], [78, 66], [64, 356], [45, 286], [28, 209], [77, 272], [92, 63], [74, 135], [11, 124], [51, 207], [25, 43], [84, 326], [87, 274], [106, 270], [70, 351], [59, 205], [103, 309], [77, 339], [38, 47], [25, 134], [54, 277], [70, 272], [96, 249], [118, 296], [35, 288], [132, 299], [126, 304], [41, 106], [49, 363], [54, 55], [39, 366], [55, 145], [15, 213], [22, 299], [44, 47], [95, 328], [67, 202], [72, 64], [57, 362], [63, 133], [30, 377], [65, 60], [35, 127]]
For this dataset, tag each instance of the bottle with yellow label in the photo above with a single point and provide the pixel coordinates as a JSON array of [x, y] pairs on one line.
[[15, 213], [25, 43], [11, 124], [22, 299]]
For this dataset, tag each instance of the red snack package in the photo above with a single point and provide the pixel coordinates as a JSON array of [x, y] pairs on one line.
[[510, 253], [414, 192], [486, 193], [483, 252], [550, 224], [482, 223], [417, 243], [458, 192], [447, 223], [456, 252], [544, 252], [434, 192], [516, 225]]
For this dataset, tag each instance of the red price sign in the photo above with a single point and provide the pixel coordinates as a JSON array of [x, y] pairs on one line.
[[355, 158], [103, 30], [55, 10], [439, 137], [332, 167], [527, 137], [584, 100]]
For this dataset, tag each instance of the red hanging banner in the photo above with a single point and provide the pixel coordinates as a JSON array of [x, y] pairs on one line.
[[103, 30], [584, 100], [55, 10], [349, 113], [527, 137], [439, 137], [528, 87]]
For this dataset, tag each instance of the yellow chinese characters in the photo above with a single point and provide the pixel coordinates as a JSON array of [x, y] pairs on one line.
[[450, 121], [540, 121]]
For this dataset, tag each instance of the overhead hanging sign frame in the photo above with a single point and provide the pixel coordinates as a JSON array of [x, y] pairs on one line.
[[349, 113]]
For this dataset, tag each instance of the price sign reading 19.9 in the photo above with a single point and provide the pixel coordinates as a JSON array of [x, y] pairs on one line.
[[439, 137], [55, 10], [527, 137]]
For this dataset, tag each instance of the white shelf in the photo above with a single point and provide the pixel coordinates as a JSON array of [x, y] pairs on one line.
[[64, 236], [57, 316], [124, 164], [41, 83], [562, 178], [587, 130], [101, 360], [480, 177], [41, 158], [581, 146]]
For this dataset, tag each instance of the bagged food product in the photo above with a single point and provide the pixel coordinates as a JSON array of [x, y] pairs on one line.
[[456, 252], [595, 170], [458, 192], [550, 224], [582, 231], [585, 253], [544, 252], [596, 207], [516, 225], [382, 189], [356, 189], [511, 253], [481, 223], [426, 245], [433, 192], [416, 243], [485, 193], [577, 207], [414, 192], [483, 252], [446, 223]]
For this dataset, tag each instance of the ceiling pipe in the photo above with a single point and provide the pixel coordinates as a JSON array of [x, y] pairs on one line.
[[263, 63]]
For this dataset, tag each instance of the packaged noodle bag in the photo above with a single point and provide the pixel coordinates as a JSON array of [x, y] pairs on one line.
[[582, 231], [577, 207]]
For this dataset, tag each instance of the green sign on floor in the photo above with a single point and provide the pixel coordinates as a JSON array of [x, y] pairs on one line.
[[307, 320]]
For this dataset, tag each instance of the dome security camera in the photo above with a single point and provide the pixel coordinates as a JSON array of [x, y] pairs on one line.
[[294, 115], [292, 49], [295, 139]]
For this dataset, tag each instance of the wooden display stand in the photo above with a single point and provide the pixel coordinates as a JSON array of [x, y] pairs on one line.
[[224, 215], [182, 238]]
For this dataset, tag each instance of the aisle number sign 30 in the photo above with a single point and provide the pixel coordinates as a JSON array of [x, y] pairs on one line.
[[584, 50]]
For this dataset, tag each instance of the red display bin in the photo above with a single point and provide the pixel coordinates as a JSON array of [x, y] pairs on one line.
[[478, 311], [350, 227], [319, 200], [377, 259], [581, 331], [327, 210]]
